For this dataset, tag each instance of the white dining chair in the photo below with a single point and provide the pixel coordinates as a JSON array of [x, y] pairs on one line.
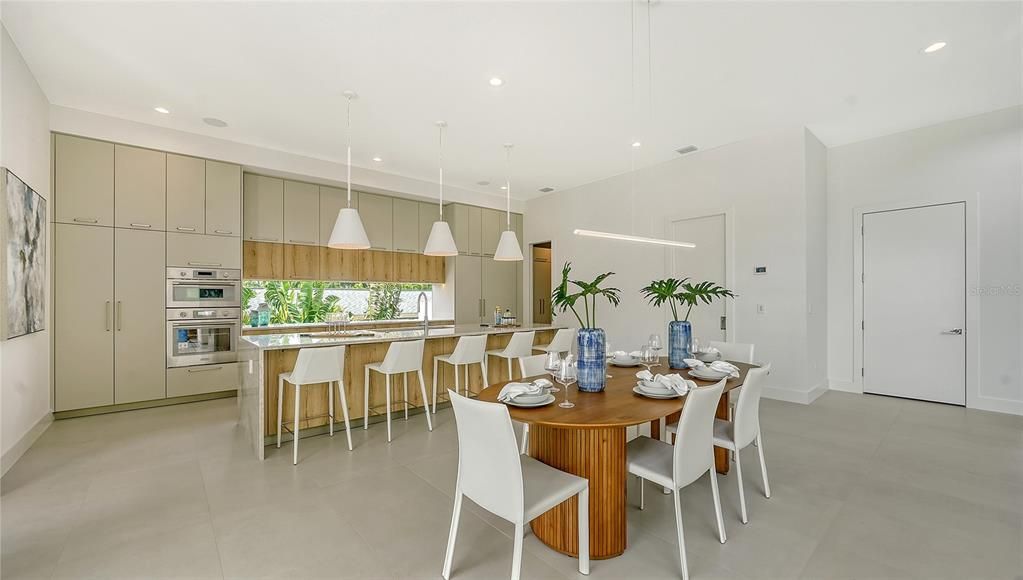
[[562, 342], [735, 352], [530, 366], [314, 365], [676, 466], [401, 358], [744, 429], [507, 484], [520, 345], [469, 350]]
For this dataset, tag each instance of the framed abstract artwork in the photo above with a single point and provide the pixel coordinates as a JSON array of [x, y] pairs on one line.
[[23, 238]]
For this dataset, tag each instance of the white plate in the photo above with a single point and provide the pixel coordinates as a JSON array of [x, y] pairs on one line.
[[546, 401], [624, 364], [653, 390], [707, 374], [530, 399], [643, 393]]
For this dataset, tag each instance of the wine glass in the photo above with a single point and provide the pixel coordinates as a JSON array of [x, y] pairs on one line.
[[566, 376], [609, 354], [552, 364], [694, 347], [648, 357], [655, 345]]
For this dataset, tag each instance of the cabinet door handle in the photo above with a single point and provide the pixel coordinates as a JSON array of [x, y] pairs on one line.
[[183, 229], [141, 225], [106, 315], [212, 264], [86, 220], [225, 232], [204, 370], [117, 315], [300, 242], [258, 239]]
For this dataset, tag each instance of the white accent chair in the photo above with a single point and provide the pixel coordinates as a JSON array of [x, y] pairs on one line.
[[530, 366], [735, 352], [514, 487], [676, 466], [401, 358], [744, 429], [562, 342], [469, 350], [314, 365], [520, 345]]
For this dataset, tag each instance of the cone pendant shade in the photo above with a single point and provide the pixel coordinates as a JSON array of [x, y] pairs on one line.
[[348, 233], [440, 242], [508, 249]]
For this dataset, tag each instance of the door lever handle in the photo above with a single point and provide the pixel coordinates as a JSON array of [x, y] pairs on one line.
[[955, 331]]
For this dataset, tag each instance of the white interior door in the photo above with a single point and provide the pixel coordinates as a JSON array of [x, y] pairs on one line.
[[914, 303], [705, 262]]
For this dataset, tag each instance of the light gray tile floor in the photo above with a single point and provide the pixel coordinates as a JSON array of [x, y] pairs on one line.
[[863, 487]]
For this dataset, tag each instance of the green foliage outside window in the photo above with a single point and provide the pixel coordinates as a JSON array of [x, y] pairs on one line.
[[383, 302], [293, 302]]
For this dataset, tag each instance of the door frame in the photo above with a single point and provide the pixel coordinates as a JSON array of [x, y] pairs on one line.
[[972, 322], [527, 281], [669, 260]]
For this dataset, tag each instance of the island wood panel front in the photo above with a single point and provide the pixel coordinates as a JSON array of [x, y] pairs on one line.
[[314, 397]]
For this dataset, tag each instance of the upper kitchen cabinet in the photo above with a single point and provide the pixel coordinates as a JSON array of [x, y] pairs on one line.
[[301, 213], [405, 223], [492, 223], [428, 213], [263, 208], [332, 201], [516, 220], [223, 199], [475, 223], [186, 194], [140, 188], [466, 228], [376, 213], [83, 181]]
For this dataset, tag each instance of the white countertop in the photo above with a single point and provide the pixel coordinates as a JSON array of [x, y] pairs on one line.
[[297, 340]]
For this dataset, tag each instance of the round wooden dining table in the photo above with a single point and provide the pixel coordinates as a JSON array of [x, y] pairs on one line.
[[588, 440]]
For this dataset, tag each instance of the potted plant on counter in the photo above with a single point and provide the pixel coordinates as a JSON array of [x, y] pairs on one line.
[[590, 340], [677, 293]]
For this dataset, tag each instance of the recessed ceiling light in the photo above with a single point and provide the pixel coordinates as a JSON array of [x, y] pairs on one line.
[[496, 81], [636, 143], [504, 187], [378, 159], [546, 189], [482, 183], [162, 110], [686, 149], [935, 47]]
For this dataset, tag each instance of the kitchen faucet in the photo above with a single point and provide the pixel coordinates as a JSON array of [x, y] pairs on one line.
[[425, 312]]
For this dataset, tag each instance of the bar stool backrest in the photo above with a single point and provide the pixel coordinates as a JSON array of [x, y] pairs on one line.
[[403, 357], [469, 350], [532, 365], [521, 344], [562, 341], [489, 469], [319, 365]]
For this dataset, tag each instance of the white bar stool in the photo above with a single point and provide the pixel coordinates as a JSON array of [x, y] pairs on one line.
[[520, 345], [562, 342], [401, 358], [469, 350], [314, 365]]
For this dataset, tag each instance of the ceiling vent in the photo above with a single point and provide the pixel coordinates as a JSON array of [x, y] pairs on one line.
[[546, 189], [482, 183], [686, 149]]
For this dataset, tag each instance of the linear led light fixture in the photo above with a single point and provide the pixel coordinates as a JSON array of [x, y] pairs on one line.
[[627, 238]]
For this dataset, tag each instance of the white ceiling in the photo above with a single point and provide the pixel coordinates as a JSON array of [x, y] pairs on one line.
[[722, 72]]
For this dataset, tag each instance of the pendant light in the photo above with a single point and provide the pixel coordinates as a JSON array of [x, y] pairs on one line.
[[508, 248], [348, 232], [440, 242]]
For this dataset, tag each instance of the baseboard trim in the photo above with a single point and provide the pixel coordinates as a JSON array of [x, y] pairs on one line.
[[844, 386], [144, 404], [996, 404], [794, 395], [12, 455], [816, 392]]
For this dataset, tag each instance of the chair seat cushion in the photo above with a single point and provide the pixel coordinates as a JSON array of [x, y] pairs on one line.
[[651, 459], [286, 376], [545, 487], [724, 433], [499, 353]]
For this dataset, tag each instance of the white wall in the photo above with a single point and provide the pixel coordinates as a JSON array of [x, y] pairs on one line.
[[24, 149], [760, 183], [267, 161], [979, 158], [816, 159]]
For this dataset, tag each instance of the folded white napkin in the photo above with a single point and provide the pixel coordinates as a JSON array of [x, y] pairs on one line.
[[730, 370], [709, 350], [543, 383], [619, 353], [673, 381], [512, 390]]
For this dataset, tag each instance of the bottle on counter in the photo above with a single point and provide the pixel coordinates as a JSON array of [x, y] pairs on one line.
[[497, 316], [264, 314], [508, 317], [253, 318]]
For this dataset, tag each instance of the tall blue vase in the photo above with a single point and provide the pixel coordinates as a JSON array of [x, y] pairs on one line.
[[680, 337], [592, 361]]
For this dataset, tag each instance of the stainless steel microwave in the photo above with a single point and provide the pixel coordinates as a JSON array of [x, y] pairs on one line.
[[209, 288]]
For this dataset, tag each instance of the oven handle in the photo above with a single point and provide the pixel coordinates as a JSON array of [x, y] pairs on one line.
[[205, 323], [205, 283], [206, 369]]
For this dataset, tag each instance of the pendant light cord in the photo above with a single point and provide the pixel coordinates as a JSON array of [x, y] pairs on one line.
[[348, 162], [507, 184], [440, 168]]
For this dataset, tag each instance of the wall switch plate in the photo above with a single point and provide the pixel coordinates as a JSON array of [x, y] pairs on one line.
[[758, 270], [761, 309]]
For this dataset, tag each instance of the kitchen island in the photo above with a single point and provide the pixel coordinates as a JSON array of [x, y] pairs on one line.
[[265, 356]]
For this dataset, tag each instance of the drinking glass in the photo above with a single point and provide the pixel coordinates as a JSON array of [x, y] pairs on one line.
[[567, 376], [648, 357], [552, 364], [655, 342]]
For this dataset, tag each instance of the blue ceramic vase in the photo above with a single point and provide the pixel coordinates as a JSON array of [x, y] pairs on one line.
[[680, 337], [592, 360]]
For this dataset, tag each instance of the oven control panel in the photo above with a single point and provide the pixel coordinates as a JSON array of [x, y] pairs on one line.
[[203, 313]]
